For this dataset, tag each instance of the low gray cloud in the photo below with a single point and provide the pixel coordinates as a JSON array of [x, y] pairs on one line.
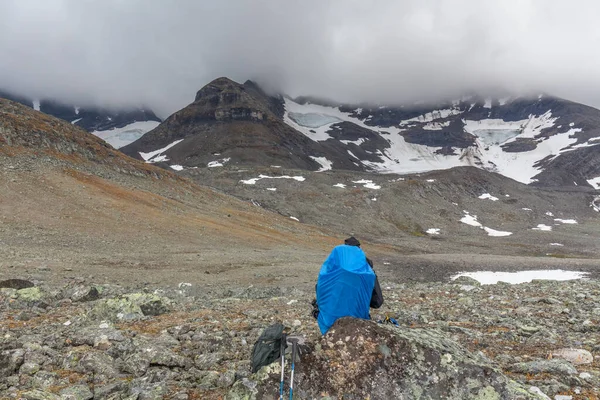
[[160, 52]]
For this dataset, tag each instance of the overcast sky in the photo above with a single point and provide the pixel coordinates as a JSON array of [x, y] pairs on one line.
[[160, 52]]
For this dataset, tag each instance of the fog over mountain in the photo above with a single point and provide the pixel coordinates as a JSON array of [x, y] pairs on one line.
[[115, 52]]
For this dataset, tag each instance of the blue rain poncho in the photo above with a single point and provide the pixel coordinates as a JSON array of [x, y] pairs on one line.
[[344, 287]]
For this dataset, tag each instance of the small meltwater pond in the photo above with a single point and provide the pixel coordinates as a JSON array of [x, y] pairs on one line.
[[491, 277]]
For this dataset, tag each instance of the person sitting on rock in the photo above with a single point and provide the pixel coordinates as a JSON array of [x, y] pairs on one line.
[[347, 286]]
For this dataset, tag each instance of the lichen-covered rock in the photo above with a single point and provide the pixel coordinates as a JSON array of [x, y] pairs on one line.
[[555, 366], [10, 362], [130, 307], [39, 395], [76, 392], [98, 363], [85, 293], [29, 295], [363, 359]]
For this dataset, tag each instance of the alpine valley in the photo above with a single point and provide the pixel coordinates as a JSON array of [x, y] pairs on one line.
[[141, 259]]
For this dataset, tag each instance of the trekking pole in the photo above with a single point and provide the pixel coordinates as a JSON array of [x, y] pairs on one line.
[[294, 349], [282, 351]]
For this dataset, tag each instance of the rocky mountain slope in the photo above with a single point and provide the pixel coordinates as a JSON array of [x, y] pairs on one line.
[[460, 210], [71, 200], [116, 126], [543, 140]]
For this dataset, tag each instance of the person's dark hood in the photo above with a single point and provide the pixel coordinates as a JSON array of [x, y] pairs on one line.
[[352, 241]]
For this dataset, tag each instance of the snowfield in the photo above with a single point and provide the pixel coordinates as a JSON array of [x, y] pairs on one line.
[[402, 157], [120, 137]]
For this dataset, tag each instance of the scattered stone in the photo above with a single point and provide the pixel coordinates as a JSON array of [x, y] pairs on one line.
[[555, 366], [39, 395], [77, 392], [89, 293], [16, 284], [575, 356]]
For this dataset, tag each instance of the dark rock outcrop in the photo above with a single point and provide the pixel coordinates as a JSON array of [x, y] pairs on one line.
[[230, 121]]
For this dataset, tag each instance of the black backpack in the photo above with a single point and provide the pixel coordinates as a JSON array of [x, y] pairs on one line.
[[268, 347], [377, 295]]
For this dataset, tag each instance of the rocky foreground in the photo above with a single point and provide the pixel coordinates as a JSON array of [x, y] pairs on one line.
[[458, 340]]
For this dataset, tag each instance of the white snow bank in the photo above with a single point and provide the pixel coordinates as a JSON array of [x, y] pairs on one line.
[[493, 232], [488, 196], [470, 220], [433, 231], [565, 221], [432, 116], [254, 180], [340, 185], [148, 157], [490, 277], [367, 183], [594, 182], [218, 163], [325, 163], [435, 126], [357, 142], [177, 167], [542, 227]]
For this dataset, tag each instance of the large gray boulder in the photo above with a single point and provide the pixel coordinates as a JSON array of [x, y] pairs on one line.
[[360, 359]]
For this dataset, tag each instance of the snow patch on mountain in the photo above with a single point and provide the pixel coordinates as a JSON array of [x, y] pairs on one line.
[[435, 126], [432, 116], [218, 163], [156, 155], [305, 117], [367, 183], [565, 221], [595, 182], [495, 233], [325, 163], [488, 196], [542, 227], [470, 220], [120, 137], [261, 176]]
